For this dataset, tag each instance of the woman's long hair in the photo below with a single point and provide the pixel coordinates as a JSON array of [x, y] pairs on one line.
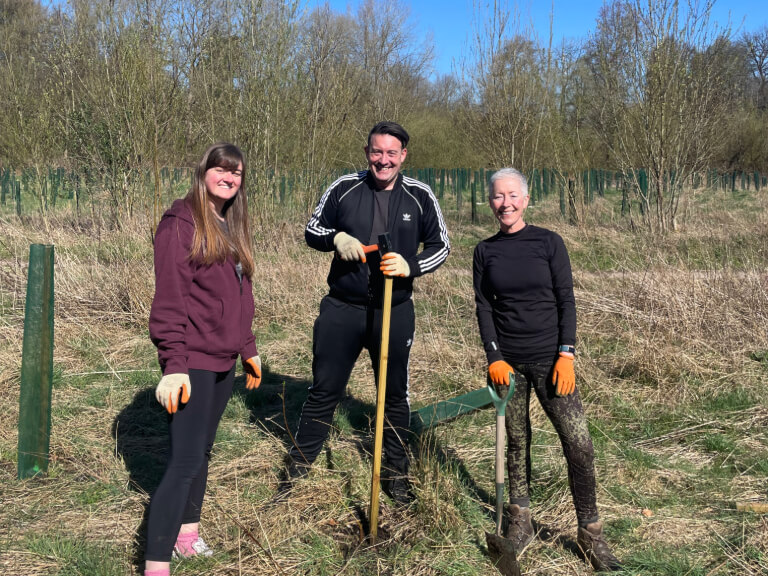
[[210, 243]]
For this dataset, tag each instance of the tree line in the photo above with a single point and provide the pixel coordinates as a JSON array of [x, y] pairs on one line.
[[119, 88]]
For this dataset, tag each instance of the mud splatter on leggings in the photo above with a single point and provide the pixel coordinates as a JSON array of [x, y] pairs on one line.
[[567, 416]]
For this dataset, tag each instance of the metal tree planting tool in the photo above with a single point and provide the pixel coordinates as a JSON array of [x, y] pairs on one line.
[[386, 312], [501, 550]]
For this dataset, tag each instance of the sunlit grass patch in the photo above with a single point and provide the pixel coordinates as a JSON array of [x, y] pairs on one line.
[[77, 556]]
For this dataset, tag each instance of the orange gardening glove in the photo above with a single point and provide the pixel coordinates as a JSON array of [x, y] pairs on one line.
[[252, 368], [563, 375], [392, 264], [167, 391], [500, 373]]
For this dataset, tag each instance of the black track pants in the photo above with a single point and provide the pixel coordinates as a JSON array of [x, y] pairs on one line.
[[341, 332], [567, 416], [179, 496]]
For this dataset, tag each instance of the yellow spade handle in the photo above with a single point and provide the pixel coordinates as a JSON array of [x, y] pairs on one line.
[[373, 512]]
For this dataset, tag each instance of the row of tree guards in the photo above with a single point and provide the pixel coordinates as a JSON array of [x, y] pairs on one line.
[[457, 185]]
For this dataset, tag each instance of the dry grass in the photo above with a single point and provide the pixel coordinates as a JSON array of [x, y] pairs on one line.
[[672, 365]]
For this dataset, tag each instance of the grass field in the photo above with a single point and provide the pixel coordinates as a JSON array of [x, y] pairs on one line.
[[672, 366]]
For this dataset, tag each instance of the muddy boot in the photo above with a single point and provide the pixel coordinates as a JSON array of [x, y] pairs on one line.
[[395, 482], [519, 526], [596, 549]]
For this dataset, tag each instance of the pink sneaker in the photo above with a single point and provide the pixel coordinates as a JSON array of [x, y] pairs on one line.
[[197, 547]]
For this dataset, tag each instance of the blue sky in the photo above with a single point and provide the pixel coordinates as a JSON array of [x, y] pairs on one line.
[[450, 21]]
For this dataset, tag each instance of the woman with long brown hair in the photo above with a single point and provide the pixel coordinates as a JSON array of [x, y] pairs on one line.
[[200, 321]]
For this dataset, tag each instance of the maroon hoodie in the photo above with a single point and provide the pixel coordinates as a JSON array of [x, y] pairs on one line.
[[201, 315]]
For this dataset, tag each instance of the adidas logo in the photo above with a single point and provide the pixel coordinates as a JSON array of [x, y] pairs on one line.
[[406, 217]]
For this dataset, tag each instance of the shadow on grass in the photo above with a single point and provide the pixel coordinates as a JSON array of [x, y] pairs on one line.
[[275, 404], [427, 445], [276, 407], [546, 534], [140, 431]]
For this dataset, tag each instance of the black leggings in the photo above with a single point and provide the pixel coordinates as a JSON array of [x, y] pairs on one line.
[[567, 416], [179, 496]]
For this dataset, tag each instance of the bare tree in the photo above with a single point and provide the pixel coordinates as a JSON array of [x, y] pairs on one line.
[[506, 90], [756, 45], [390, 60], [659, 106], [331, 82], [28, 138]]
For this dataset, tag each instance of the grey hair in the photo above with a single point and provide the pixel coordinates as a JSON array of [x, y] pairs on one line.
[[508, 173]]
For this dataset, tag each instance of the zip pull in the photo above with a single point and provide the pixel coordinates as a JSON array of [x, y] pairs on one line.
[[239, 272]]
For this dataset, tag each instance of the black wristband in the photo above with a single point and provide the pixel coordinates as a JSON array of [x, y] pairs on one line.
[[568, 349]]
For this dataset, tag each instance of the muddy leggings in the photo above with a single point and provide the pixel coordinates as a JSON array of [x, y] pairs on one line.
[[567, 416]]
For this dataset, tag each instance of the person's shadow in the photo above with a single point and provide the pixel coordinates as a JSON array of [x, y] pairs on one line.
[[140, 431]]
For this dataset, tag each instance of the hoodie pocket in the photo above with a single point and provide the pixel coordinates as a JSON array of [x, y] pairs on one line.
[[207, 317]]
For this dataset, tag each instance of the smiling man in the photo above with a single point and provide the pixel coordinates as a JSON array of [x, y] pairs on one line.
[[354, 211]]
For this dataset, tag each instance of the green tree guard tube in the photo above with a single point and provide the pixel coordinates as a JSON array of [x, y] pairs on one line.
[[36, 365]]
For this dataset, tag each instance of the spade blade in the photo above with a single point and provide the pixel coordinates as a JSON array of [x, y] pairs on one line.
[[503, 555]]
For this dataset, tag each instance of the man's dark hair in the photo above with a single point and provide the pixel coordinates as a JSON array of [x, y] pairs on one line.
[[391, 128]]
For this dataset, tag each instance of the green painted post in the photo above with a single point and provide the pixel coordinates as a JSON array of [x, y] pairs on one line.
[[601, 177], [36, 365], [18, 198], [473, 192], [458, 190]]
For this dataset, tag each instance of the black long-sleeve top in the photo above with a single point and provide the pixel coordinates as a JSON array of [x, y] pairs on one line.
[[414, 218], [524, 295]]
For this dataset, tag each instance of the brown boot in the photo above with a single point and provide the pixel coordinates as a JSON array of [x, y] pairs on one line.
[[519, 526], [596, 549]]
